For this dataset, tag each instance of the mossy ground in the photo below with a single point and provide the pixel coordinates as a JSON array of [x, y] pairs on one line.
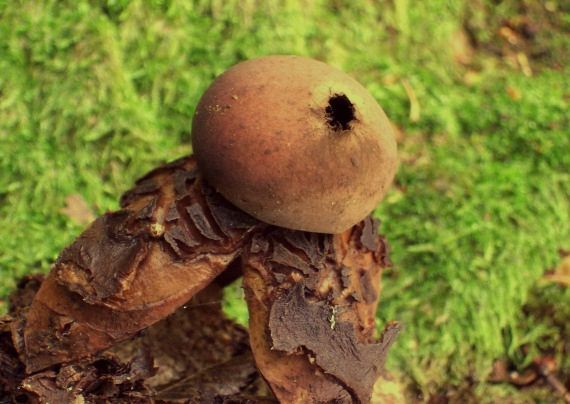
[[94, 93]]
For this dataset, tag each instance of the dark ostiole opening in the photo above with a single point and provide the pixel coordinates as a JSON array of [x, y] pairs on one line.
[[340, 112]]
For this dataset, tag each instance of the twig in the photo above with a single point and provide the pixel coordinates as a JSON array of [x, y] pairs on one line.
[[414, 103], [554, 382]]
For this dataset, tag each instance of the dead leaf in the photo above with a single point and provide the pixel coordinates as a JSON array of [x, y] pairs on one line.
[[509, 35], [462, 49], [500, 372], [77, 210], [561, 273], [514, 93], [524, 64]]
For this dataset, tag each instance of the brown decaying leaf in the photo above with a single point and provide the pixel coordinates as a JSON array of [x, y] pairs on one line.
[[561, 273], [77, 210], [543, 367], [461, 47], [514, 93]]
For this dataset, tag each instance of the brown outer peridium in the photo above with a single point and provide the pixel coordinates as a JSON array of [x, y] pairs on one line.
[[132, 268], [312, 301], [262, 138]]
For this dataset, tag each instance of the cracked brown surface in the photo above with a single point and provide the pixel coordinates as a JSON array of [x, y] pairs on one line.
[[312, 301], [133, 267]]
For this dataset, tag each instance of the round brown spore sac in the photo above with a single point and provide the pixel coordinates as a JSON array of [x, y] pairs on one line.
[[295, 143]]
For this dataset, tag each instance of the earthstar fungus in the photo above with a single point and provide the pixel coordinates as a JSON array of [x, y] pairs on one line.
[[279, 141]]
